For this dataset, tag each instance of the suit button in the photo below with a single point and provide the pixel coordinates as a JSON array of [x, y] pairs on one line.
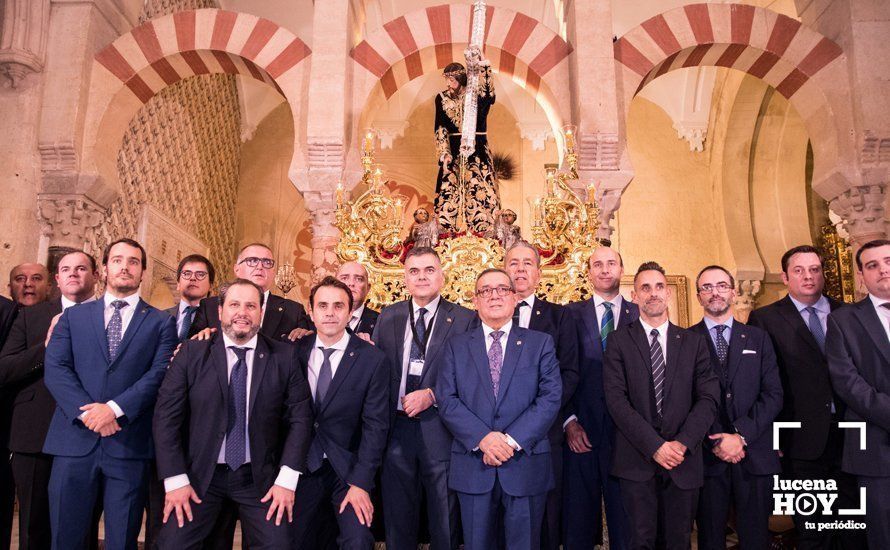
[[729, 395], [315, 425]]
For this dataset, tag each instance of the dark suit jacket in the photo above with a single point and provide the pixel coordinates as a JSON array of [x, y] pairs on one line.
[[281, 317], [859, 361], [389, 336], [79, 370], [191, 415], [749, 401], [691, 393], [353, 423], [527, 403], [367, 321], [589, 401], [8, 311], [21, 368], [805, 379]]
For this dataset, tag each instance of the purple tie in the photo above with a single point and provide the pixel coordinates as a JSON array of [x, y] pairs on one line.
[[496, 360]]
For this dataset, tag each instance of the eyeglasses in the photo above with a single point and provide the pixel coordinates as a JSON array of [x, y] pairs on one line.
[[719, 287], [488, 292], [268, 263], [197, 275]]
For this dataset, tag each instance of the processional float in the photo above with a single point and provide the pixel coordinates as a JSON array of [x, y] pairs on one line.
[[563, 230]]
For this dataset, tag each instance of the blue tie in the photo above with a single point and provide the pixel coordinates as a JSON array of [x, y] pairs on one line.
[[607, 325], [236, 438], [187, 316], [815, 326], [114, 331]]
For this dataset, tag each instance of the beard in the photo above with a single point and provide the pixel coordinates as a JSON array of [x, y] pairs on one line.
[[239, 333], [717, 307], [654, 308]]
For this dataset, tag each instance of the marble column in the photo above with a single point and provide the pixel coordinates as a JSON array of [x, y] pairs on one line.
[[67, 220], [325, 234], [745, 299], [862, 209]]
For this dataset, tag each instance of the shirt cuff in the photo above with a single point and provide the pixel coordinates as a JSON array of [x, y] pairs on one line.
[[118, 412], [176, 482], [287, 478], [569, 419], [512, 442]]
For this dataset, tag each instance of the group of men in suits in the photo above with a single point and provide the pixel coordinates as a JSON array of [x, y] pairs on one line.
[[511, 426]]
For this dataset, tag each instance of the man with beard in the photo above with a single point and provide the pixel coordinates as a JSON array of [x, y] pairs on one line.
[[523, 263], [662, 394], [739, 458], [355, 276], [232, 423], [194, 277], [858, 350], [103, 365], [589, 429], [21, 368]]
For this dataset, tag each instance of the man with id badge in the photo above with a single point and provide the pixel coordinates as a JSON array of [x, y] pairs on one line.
[[412, 333]]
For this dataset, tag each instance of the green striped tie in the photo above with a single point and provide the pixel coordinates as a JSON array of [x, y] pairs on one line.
[[607, 325]]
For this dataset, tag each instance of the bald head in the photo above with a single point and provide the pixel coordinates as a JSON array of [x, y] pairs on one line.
[[605, 269], [355, 276], [29, 284]]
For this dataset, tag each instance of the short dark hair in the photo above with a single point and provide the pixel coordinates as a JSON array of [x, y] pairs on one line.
[[495, 270], [330, 280], [93, 265], [802, 249], [245, 247], [196, 258], [718, 268], [870, 244], [649, 266], [224, 289], [422, 251], [128, 242], [454, 68]]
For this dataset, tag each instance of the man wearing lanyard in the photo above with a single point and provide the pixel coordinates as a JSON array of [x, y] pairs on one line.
[[412, 333]]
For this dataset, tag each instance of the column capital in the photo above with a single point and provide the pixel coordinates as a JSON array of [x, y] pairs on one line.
[[745, 298], [862, 208], [68, 218]]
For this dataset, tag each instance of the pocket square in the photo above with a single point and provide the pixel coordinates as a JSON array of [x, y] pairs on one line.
[[747, 351]]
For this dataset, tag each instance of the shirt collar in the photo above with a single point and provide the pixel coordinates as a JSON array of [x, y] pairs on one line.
[[358, 312], [821, 305], [530, 300], [266, 298], [251, 344], [430, 307], [662, 330], [599, 300], [66, 303], [338, 345], [183, 304], [487, 330], [877, 302], [710, 323], [132, 300]]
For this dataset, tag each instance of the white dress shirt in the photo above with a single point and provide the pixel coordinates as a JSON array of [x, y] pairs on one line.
[[431, 309], [180, 315], [126, 316], [287, 477], [525, 312], [265, 303], [601, 309], [486, 331], [316, 357], [662, 336], [356, 318], [66, 303], [823, 308], [883, 313]]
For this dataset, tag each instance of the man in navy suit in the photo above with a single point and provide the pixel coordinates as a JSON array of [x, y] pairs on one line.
[[194, 278], [103, 365], [355, 276], [589, 429], [499, 394], [662, 395], [419, 444], [858, 350], [739, 458], [349, 380]]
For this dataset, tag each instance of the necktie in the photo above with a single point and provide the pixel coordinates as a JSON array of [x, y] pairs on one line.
[[496, 360], [236, 436], [516, 311], [187, 316], [413, 381], [721, 344], [325, 375], [114, 330], [657, 356], [886, 306], [815, 326], [607, 325]]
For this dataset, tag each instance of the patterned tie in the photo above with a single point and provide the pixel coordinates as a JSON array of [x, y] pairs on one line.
[[236, 436], [516, 311], [114, 330], [607, 325], [815, 326], [325, 375], [496, 360], [412, 382], [657, 356], [722, 345], [187, 317]]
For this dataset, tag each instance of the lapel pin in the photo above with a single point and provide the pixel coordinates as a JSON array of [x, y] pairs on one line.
[[538, 312], [743, 335], [351, 353], [262, 355], [448, 319], [280, 308], [518, 342]]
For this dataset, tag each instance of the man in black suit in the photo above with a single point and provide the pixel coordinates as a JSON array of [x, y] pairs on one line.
[[858, 350], [232, 422], [589, 429], [349, 381], [194, 278], [412, 334], [662, 395], [797, 325], [355, 276], [523, 263], [739, 457], [281, 317], [21, 369]]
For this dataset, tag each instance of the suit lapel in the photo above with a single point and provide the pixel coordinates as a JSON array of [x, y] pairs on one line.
[[625, 317], [398, 327], [346, 363], [867, 315], [512, 353], [441, 328], [221, 366], [736, 346], [261, 358], [795, 320], [642, 341], [98, 315], [272, 317], [588, 315], [480, 358], [673, 345], [537, 319], [135, 322]]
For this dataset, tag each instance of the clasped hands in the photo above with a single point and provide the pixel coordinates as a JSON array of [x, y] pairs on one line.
[[495, 449], [729, 447], [100, 418], [670, 455]]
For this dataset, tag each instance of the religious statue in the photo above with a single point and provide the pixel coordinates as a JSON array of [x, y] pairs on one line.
[[466, 184], [424, 231], [504, 231]]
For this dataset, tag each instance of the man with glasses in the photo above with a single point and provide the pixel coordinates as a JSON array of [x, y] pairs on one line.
[[738, 452], [412, 333], [194, 277], [281, 316], [499, 394]]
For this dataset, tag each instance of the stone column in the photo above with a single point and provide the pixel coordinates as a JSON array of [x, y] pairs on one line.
[[862, 209], [745, 299], [325, 234], [67, 220], [23, 38]]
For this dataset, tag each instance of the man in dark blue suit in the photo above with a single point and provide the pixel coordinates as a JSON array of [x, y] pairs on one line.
[[499, 394], [103, 365], [739, 458], [349, 380], [419, 444], [858, 350], [589, 429], [363, 319]]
